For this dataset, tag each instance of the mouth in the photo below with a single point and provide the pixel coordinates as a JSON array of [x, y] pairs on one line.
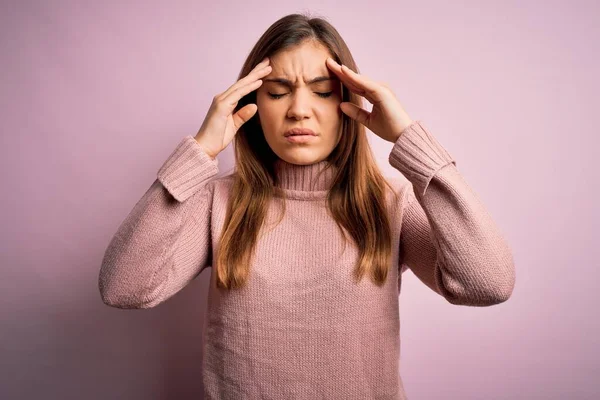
[[295, 132], [301, 138]]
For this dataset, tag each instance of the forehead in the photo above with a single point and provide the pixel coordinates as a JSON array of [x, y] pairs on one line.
[[300, 63]]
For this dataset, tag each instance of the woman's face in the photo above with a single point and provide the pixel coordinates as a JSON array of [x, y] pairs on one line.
[[287, 99]]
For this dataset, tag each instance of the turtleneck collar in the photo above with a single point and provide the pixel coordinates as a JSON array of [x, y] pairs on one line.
[[304, 182]]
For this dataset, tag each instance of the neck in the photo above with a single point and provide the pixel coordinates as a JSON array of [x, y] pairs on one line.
[[311, 181]]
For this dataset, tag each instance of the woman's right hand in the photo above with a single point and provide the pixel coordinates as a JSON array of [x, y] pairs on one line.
[[220, 126]]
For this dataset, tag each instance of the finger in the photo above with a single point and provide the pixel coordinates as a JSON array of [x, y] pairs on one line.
[[353, 87], [262, 69], [359, 80], [232, 98], [347, 82], [355, 112], [243, 115], [356, 82], [248, 79]]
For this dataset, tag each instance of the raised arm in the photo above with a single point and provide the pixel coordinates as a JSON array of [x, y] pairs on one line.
[[164, 242], [448, 238]]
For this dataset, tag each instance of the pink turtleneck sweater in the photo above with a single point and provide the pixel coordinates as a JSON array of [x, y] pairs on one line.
[[301, 328]]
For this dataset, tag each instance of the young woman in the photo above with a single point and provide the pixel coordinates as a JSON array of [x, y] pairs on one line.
[[306, 240]]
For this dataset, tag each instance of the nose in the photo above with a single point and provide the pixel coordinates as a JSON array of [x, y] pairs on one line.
[[300, 106]]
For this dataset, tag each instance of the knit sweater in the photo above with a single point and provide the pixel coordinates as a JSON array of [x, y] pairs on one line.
[[302, 328]]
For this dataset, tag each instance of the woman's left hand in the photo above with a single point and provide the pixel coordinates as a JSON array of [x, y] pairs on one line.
[[387, 118]]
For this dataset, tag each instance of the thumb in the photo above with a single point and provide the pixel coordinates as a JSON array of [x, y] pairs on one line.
[[355, 112], [243, 115]]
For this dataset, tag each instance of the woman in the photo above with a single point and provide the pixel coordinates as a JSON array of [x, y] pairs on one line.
[[293, 311]]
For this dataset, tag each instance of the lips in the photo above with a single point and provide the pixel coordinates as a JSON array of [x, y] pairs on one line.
[[299, 131]]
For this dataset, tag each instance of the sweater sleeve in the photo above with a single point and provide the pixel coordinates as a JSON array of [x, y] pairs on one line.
[[448, 238], [164, 242]]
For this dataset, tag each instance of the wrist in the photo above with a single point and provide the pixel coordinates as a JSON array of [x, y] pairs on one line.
[[204, 149], [405, 126]]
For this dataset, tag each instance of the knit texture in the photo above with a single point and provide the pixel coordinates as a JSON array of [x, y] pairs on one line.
[[301, 328]]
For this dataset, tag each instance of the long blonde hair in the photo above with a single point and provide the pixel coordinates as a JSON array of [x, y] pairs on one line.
[[357, 199]]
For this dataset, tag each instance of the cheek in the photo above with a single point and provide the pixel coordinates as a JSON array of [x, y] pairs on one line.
[[266, 114], [262, 108], [333, 112], [271, 112]]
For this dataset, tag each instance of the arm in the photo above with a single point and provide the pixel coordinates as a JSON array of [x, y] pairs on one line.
[[164, 242], [448, 238]]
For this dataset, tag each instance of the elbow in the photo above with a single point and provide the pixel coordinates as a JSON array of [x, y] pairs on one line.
[[111, 300], [121, 287], [505, 291], [502, 284], [490, 297], [125, 302], [119, 297], [493, 289], [489, 281], [478, 298], [119, 300], [501, 280]]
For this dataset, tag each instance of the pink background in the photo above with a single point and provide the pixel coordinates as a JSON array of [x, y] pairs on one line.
[[95, 96]]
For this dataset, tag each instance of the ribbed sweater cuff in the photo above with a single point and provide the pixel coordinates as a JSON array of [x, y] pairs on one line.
[[187, 169], [418, 155]]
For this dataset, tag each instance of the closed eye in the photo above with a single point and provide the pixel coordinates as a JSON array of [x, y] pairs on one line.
[[278, 96]]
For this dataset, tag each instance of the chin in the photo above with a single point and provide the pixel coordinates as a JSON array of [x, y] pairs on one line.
[[301, 156]]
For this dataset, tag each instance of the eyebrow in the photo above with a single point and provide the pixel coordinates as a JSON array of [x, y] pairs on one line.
[[289, 83]]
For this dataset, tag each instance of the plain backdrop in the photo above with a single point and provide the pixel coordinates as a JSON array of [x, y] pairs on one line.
[[96, 94]]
